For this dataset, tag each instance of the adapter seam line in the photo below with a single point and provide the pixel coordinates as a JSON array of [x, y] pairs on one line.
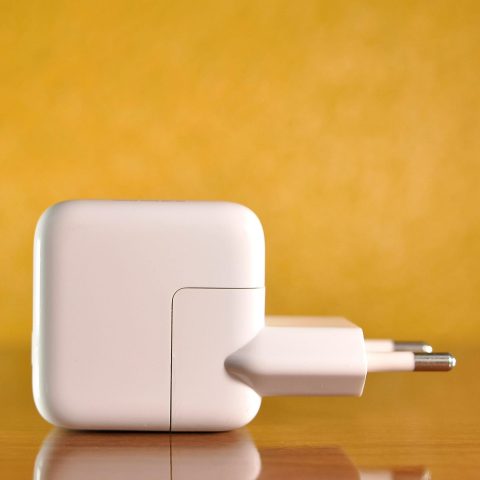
[[171, 332]]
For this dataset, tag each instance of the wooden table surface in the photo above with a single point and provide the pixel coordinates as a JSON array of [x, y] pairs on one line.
[[406, 426]]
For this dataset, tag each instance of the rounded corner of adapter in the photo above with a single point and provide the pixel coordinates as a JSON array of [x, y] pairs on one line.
[[52, 216], [245, 219], [51, 409], [45, 218], [247, 415], [253, 220]]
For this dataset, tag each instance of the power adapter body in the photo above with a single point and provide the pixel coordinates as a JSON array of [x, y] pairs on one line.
[[150, 315], [136, 306]]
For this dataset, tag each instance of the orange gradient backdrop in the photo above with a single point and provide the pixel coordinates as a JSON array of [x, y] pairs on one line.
[[351, 128]]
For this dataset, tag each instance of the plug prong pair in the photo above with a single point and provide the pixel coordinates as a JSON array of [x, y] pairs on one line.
[[391, 355]]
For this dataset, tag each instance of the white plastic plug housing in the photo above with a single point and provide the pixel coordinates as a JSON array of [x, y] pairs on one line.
[[318, 356], [136, 306]]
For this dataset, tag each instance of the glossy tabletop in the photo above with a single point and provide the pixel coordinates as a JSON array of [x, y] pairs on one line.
[[406, 426]]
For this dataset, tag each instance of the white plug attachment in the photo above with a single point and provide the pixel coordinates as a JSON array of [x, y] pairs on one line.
[[326, 356], [322, 360]]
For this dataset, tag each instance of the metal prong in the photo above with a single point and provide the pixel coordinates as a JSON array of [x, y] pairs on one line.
[[420, 347], [434, 362]]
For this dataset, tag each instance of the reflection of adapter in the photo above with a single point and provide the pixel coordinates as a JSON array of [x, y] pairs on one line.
[[68, 455], [150, 316]]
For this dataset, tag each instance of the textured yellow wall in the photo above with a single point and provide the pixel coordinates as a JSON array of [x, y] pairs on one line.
[[351, 128]]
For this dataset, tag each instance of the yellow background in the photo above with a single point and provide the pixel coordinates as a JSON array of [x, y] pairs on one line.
[[351, 128]]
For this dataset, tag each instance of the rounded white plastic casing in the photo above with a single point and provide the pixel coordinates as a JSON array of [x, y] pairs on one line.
[[137, 304]]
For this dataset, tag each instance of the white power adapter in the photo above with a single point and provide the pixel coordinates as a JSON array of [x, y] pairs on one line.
[[150, 316]]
